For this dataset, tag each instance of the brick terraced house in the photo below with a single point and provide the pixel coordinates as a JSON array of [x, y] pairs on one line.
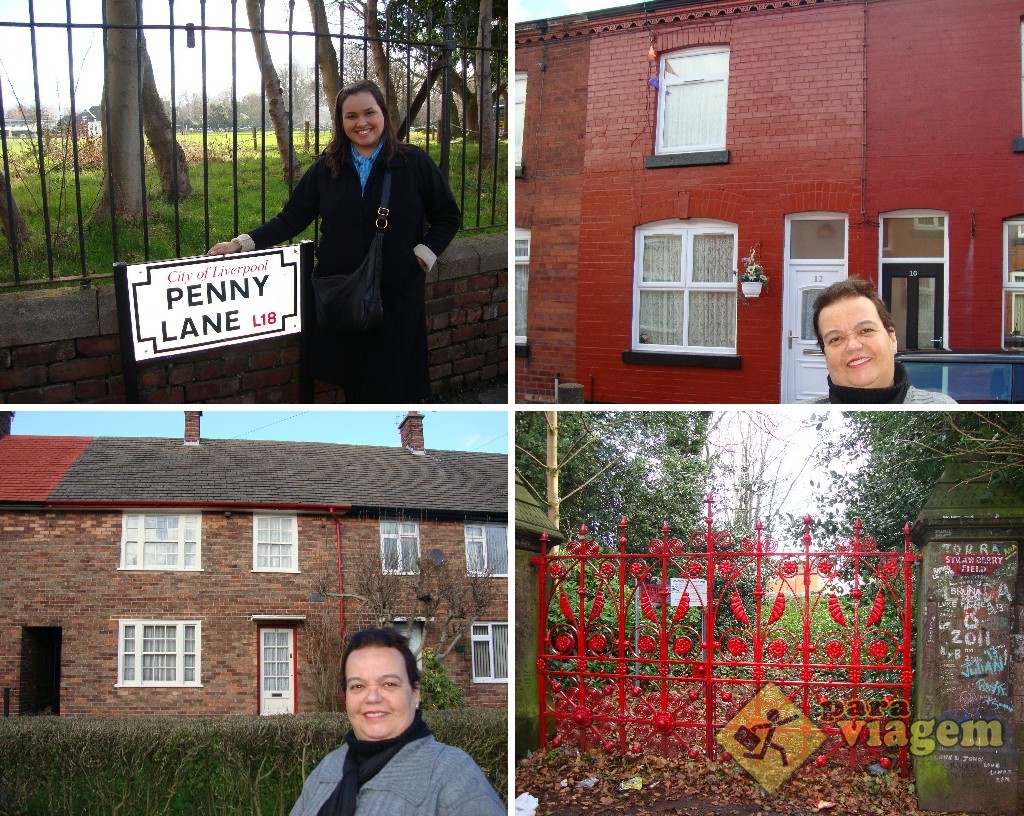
[[660, 143], [201, 576]]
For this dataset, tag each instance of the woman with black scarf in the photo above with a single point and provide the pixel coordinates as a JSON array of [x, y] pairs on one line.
[[390, 763]]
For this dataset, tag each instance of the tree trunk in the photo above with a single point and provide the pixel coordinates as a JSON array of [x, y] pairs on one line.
[[21, 233], [123, 159], [380, 64], [279, 115], [165, 147], [488, 143], [326, 56]]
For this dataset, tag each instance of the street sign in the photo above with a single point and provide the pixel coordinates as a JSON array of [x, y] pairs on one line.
[[182, 305], [193, 304]]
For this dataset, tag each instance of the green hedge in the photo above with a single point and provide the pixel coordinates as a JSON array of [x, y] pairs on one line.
[[250, 766]]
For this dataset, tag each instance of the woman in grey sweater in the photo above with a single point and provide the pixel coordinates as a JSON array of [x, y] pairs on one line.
[[390, 763]]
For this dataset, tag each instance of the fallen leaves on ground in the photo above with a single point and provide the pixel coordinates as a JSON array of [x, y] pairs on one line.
[[701, 788]]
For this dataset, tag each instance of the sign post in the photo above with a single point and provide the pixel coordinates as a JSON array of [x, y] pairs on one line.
[[173, 307]]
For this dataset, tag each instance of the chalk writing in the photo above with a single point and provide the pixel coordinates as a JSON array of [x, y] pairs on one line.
[[991, 662]]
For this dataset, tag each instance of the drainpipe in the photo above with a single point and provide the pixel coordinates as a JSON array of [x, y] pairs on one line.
[[341, 601]]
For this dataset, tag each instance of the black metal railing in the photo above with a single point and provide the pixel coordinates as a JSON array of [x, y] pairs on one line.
[[53, 166]]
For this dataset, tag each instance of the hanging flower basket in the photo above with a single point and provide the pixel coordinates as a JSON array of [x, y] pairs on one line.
[[752, 276]]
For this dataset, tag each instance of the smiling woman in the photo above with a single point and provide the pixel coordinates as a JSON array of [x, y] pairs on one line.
[[856, 332], [390, 763]]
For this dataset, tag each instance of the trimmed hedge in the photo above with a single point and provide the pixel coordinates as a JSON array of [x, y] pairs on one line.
[[250, 766]]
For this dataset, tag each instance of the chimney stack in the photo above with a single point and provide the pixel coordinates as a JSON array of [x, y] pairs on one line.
[[192, 427], [411, 429], [6, 417]]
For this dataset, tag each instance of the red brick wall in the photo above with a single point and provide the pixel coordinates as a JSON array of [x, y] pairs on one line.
[[944, 94], [60, 569], [794, 134], [548, 203]]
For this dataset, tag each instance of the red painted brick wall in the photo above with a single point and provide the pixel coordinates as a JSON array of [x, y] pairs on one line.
[[944, 104], [794, 133], [549, 204], [60, 569]]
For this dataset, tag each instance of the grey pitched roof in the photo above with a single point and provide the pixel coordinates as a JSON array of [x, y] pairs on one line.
[[286, 473]]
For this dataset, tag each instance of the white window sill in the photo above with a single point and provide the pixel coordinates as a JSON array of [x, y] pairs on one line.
[[489, 681], [160, 569], [278, 571], [158, 685]]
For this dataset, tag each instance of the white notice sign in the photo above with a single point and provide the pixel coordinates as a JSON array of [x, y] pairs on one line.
[[697, 590], [191, 304]]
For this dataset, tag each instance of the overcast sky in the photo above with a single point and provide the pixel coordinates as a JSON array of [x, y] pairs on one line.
[[484, 430], [538, 9], [52, 49]]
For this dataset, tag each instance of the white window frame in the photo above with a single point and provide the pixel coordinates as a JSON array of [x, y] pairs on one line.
[[476, 536], [686, 229], [293, 518], [136, 541], [130, 671], [1010, 287], [488, 638], [520, 114], [524, 261], [403, 529], [665, 80]]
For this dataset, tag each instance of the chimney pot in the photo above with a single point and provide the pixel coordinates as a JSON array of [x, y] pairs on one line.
[[192, 427], [411, 430]]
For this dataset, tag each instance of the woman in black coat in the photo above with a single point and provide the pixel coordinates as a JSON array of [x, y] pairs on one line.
[[343, 188]]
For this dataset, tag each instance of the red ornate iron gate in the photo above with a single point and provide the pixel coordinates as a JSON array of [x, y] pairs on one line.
[[657, 651]]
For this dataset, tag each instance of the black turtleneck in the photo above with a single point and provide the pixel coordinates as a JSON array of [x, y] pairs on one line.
[[892, 395]]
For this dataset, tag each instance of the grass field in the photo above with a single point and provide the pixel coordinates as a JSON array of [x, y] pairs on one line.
[[483, 197]]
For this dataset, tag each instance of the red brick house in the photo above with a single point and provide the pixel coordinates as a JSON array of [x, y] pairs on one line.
[[201, 576], [662, 143]]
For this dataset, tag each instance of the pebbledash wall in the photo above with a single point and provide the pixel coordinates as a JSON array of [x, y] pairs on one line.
[[62, 346], [836, 109]]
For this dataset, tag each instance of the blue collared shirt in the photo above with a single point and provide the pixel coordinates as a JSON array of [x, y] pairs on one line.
[[364, 165]]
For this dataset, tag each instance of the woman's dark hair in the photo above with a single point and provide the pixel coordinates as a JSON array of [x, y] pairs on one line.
[[850, 288], [382, 639], [338, 150]]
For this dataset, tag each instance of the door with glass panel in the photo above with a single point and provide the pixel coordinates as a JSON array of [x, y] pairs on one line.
[[914, 277], [815, 258], [277, 671]]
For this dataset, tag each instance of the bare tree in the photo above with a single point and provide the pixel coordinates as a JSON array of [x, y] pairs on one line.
[[326, 56], [170, 158], [279, 115], [122, 178], [323, 654], [380, 63], [9, 213]]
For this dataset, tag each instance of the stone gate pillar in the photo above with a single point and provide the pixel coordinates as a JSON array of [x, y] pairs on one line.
[[531, 523], [970, 656]]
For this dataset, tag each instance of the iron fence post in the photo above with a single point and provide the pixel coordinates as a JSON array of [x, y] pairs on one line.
[[447, 66]]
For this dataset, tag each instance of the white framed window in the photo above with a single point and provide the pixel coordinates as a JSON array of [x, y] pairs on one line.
[[161, 541], [520, 104], [159, 653], [275, 543], [522, 257], [684, 287], [400, 547], [693, 95], [490, 652], [1013, 284], [486, 549]]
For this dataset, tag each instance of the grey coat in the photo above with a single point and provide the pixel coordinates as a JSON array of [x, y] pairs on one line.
[[425, 778], [915, 396]]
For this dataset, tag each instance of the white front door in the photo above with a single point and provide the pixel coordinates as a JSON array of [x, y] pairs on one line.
[[277, 671], [815, 258]]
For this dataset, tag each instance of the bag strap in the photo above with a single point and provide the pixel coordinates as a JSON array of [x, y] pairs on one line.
[[382, 210]]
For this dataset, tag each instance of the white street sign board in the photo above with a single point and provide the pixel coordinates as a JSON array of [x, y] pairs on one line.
[[696, 588], [193, 304]]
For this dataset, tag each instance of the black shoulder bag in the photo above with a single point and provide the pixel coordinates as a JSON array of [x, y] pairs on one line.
[[352, 302]]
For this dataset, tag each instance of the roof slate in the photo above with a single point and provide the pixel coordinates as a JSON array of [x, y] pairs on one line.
[[286, 473], [32, 466]]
